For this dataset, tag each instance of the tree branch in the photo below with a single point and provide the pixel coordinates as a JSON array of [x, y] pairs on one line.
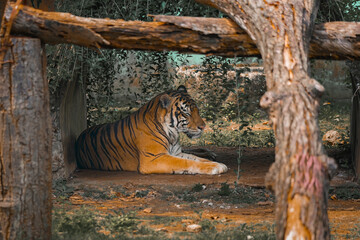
[[336, 40]]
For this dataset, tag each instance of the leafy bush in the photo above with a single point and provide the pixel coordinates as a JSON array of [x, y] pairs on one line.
[[224, 190], [80, 223], [120, 223], [85, 223]]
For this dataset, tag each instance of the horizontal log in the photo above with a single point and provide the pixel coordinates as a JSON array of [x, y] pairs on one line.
[[212, 36], [336, 40]]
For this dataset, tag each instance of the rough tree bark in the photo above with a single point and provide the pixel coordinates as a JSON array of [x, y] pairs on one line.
[[355, 116], [334, 40], [300, 174], [2, 9], [25, 143]]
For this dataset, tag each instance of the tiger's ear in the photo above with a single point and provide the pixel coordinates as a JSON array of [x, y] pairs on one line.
[[165, 100], [182, 88]]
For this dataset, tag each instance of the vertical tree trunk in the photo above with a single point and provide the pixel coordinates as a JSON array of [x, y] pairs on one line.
[[300, 174], [355, 116], [2, 9], [25, 144]]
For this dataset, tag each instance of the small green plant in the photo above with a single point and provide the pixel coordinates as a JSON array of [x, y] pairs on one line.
[[224, 189], [188, 197], [345, 193], [216, 135], [120, 223], [78, 223], [207, 225], [144, 230], [197, 187], [86, 223]]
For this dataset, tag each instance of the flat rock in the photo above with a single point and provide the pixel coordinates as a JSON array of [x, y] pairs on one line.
[[195, 228]]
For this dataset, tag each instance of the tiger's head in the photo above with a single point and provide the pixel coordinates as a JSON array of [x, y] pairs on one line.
[[182, 112]]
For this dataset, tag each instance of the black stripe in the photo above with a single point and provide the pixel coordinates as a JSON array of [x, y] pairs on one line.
[[93, 140], [122, 127], [112, 145], [104, 146], [116, 135], [158, 155]]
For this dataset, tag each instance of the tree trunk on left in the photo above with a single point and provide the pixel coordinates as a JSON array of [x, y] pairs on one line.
[[25, 143]]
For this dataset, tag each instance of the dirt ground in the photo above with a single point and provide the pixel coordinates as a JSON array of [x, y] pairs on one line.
[[188, 199]]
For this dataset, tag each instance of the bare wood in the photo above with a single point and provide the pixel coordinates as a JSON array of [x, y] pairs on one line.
[[183, 34], [25, 144], [300, 174]]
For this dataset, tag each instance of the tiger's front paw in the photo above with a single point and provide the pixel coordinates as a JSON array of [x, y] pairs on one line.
[[219, 168], [208, 167]]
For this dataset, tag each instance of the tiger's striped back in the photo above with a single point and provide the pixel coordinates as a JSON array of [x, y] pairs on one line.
[[115, 146], [108, 147]]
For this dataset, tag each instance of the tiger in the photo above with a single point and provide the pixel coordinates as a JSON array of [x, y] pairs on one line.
[[147, 141]]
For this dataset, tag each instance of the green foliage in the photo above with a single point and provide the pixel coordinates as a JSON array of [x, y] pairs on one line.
[[120, 223], [187, 196], [243, 232], [230, 138], [214, 87], [141, 193], [100, 71], [336, 10], [153, 71], [74, 225], [156, 77], [197, 187], [136, 10], [217, 134], [36, 3], [166, 220], [346, 193], [207, 225], [86, 223], [224, 190], [226, 88]]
